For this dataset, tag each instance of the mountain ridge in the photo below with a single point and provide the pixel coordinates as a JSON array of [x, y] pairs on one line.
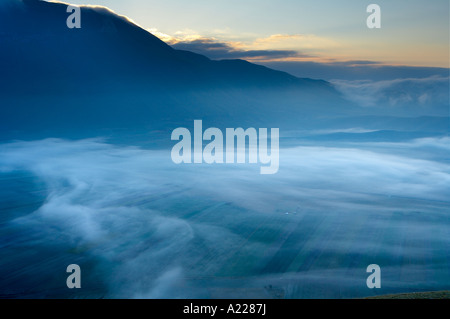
[[111, 74], [41, 17]]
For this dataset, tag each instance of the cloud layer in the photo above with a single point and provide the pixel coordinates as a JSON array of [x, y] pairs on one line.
[[354, 70], [431, 94]]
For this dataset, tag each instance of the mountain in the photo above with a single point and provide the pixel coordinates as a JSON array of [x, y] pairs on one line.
[[113, 76], [35, 38]]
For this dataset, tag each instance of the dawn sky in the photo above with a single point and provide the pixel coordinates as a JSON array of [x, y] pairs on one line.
[[413, 32]]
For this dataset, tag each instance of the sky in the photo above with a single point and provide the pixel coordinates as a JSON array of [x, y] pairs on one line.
[[413, 32]]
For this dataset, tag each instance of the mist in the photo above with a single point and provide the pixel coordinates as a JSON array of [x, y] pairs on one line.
[[141, 226], [428, 95]]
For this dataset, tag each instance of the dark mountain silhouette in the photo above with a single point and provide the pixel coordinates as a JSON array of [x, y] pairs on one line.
[[111, 77], [37, 43]]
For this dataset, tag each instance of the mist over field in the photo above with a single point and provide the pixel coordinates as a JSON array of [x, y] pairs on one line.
[[87, 178], [143, 227]]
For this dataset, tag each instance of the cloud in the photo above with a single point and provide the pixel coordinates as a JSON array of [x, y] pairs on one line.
[[141, 226], [222, 50], [400, 92], [300, 41], [260, 49], [161, 35], [354, 70], [354, 63]]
